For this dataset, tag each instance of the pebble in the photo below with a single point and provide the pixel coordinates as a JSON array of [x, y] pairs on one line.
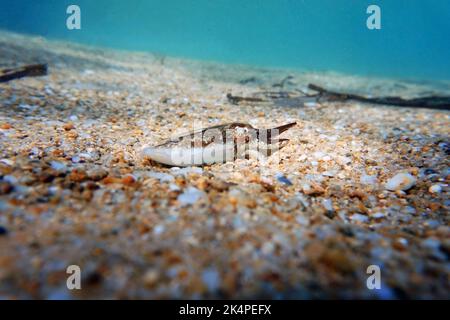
[[433, 224], [128, 180], [328, 204], [431, 243], [10, 179], [211, 279], [359, 218], [268, 248], [329, 174], [151, 277], [319, 155], [76, 159], [174, 187], [8, 162], [378, 215], [28, 107], [161, 176], [436, 188], [401, 181], [159, 229], [68, 126], [281, 178], [58, 166], [190, 196], [312, 190], [97, 174], [368, 179]]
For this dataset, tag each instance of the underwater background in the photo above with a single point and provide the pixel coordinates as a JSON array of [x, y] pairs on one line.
[[304, 34]]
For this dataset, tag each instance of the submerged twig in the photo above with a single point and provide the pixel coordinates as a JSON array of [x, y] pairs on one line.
[[283, 82], [237, 99], [431, 102], [300, 98], [34, 70]]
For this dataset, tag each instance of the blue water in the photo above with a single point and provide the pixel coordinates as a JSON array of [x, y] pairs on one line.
[[414, 41]]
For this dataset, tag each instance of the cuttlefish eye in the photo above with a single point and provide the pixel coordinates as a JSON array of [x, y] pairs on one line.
[[241, 130]]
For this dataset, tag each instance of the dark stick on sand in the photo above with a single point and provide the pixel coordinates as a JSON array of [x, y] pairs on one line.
[[34, 70], [285, 98], [431, 102], [237, 99]]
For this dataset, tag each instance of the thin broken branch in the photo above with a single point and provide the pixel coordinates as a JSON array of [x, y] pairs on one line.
[[237, 99], [34, 70], [431, 102], [283, 82], [299, 98]]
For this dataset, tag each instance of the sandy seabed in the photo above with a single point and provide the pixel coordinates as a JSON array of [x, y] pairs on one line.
[[75, 189]]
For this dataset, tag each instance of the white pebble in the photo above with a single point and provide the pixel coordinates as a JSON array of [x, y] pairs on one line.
[[190, 196], [310, 104], [368, 180], [161, 176], [76, 159], [8, 162], [158, 229], [359, 218], [401, 181], [328, 204], [436, 188], [378, 215], [328, 174], [267, 248], [173, 187], [58, 166], [319, 155], [211, 279], [9, 178]]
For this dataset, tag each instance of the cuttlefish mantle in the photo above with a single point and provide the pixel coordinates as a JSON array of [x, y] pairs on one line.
[[218, 144]]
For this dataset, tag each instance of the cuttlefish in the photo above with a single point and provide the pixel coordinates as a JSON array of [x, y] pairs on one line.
[[218, 144]]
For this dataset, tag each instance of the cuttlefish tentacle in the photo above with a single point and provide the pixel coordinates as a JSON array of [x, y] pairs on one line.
[[217, 144]]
